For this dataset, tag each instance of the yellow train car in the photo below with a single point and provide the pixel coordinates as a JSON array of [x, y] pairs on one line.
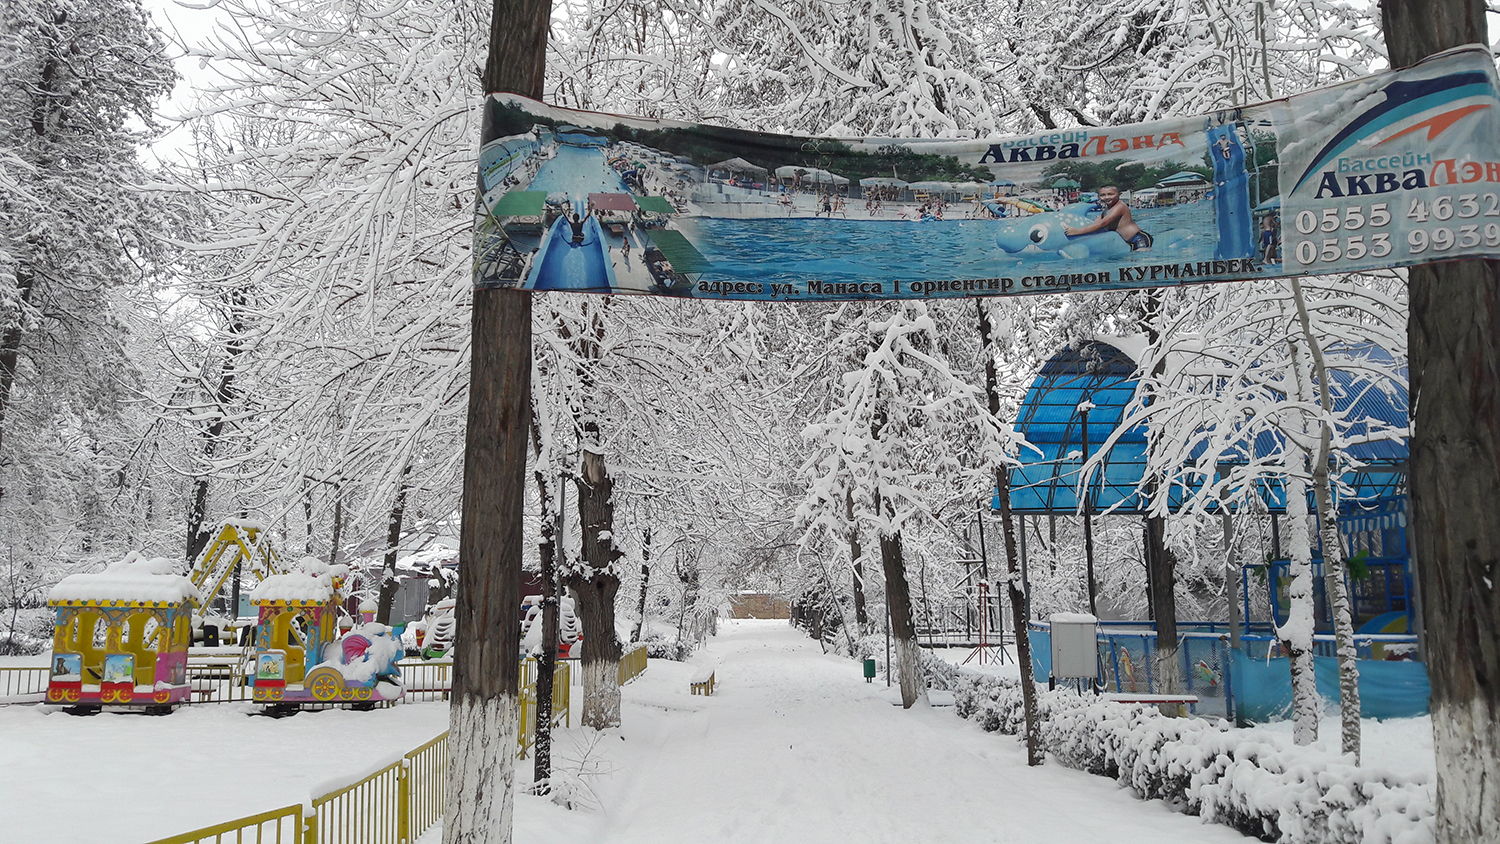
[[120, 637]]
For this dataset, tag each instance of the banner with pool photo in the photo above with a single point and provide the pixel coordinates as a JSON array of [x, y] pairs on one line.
[[1382, 171]]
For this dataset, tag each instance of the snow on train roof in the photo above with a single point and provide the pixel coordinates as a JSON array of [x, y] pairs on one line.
[[133, 579], [311, 580]]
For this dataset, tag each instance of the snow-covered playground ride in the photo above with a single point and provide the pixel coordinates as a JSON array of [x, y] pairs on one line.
[[300, 656], [121, 636], [242, 544]]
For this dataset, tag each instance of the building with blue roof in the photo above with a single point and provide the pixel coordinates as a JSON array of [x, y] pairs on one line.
[[1076, 403]]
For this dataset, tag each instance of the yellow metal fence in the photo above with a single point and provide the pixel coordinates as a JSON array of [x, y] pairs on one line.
[[632, 664], [394, 805], [562, 683], [427, 679]]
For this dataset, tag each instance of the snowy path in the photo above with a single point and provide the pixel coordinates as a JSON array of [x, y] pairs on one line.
[[794, 746]]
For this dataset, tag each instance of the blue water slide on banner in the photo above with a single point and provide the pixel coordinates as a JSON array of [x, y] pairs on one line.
[[1231, 194], [1387, 689], [1371, 173]]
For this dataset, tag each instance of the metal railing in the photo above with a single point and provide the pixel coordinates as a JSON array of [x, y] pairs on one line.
[[562, 683], [23, 683], [278, 826], [394, 805], [426, 785], [427, 679], [632, 664], [371, 811]]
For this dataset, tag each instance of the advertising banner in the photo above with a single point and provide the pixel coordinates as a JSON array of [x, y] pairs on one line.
[[1383, 171]]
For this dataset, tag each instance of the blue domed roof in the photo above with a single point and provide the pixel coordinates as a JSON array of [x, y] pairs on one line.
[[1100, 376]]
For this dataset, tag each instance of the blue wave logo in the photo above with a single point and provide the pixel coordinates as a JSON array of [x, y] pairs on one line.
[[1403, 100]]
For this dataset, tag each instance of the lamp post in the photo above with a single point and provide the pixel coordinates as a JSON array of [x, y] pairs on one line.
[[1088, 511]]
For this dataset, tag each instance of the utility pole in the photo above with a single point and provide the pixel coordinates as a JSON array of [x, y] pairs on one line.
[[1086, 504], [484, 709], [1453, 338]]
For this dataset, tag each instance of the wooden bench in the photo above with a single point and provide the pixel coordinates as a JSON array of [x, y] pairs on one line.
[[702, 682], [1177, 703]]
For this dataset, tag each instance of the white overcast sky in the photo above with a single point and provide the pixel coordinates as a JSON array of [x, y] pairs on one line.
[[181, 24]]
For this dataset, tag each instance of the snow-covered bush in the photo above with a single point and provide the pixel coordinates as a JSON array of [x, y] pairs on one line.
[[659, 646], [1267, 788], [25, 631]]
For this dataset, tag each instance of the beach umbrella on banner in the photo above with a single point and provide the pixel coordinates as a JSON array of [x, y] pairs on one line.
[[1065, 183], [738, 165], [1002, 183], [1182, 179]]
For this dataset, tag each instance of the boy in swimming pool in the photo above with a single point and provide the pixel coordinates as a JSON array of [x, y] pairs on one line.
[[1116, 218]]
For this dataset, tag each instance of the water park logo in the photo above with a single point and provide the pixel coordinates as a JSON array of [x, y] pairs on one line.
[[1064, 145], [1404, 101]]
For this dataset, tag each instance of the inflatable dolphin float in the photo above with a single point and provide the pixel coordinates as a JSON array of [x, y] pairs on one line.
[[1045, 232]]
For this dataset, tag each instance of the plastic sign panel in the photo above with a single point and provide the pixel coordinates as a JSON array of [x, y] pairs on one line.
[[1383, 171]]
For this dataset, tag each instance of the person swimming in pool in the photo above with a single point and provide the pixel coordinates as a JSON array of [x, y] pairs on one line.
[[1116, 218]]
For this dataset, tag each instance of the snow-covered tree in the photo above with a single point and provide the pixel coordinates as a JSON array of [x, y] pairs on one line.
[[80, 259], [907, 424], [1232, 409]]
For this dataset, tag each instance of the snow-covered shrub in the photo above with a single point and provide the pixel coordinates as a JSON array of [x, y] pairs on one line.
[[29, 633], [665, 647], [1267, 788]]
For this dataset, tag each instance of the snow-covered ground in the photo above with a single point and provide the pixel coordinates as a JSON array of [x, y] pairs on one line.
[[133, 778], [794, 746]]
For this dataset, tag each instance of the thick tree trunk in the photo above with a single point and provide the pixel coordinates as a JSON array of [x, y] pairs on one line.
[[596, 586], [48, 98], [1014, 584], [224, 393], [1162, 582], [856, 563], [484, 712], [898, 600], [389, 582], [640, 607], [1453, 336], [307, 517], [1019, 614], [338, 524]]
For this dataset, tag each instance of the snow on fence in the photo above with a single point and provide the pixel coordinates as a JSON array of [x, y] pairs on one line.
[[426, 679], [23, 683], [632, 664], [394, 804], [1261, 786]]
